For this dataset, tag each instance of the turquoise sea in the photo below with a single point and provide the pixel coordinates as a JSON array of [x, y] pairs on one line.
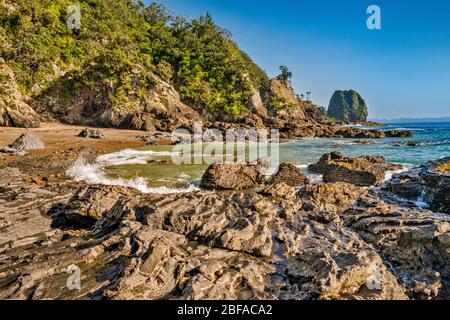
[[434, 138], [131, 167]]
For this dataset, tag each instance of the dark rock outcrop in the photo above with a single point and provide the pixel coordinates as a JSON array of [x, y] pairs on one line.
[[91, 203], [398, 134], [407, 185], [436, 179], [361, 171], [233, 176], [92, 133], [347, 105], [289, 174]]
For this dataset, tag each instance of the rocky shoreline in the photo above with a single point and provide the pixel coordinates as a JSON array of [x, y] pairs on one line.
[[270, 240]]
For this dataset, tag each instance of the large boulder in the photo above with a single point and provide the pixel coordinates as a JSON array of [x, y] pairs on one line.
[[348, 105], [27, 141], [159, 109], [436, 179], [289, 174], [92, 133], [234, 176], [361, 171]]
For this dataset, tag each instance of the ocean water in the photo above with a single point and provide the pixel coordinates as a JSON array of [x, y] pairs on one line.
[[434, 141], [130, 167]]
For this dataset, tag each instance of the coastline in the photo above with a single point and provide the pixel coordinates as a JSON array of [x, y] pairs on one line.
[[228, 243]]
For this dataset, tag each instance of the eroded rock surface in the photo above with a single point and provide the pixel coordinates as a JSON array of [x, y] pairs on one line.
[[289, 174], [14, 112], [333, 263], [414, 242], [324, 241], [234, 176], [361, 171]]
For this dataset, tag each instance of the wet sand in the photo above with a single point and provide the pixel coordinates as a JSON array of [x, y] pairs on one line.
[[61, 137]]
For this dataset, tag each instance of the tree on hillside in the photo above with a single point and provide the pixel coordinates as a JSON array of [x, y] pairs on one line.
[[322, 110], [286, 75], [156, 14]]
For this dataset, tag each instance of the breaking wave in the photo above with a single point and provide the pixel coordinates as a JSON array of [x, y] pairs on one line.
[[388, 175], [94, 174], [129, 156]]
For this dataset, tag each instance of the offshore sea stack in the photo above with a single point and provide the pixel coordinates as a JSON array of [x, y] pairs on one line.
[[348, 105]]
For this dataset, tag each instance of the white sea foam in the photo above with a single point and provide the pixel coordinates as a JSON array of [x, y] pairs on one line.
[[388, 175], [420, 202], [94, 174], [407, 129], [129, 156], [315, 178]]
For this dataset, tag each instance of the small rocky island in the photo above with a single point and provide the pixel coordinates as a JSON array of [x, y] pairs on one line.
[[348, 105]]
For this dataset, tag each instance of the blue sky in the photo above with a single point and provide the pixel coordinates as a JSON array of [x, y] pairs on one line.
[[402, 70]]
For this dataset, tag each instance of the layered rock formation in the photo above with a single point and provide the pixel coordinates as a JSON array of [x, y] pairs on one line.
[[361, 171], [348, 105], [436, 180], [324, 241], [430, 184]]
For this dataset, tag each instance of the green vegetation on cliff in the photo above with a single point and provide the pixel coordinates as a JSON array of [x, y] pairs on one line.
[[347, 105], [120, 45]]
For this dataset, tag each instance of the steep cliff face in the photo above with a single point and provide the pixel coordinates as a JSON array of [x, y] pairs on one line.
[[285, 104], [14, 112], [159, 108], [347, 105]]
